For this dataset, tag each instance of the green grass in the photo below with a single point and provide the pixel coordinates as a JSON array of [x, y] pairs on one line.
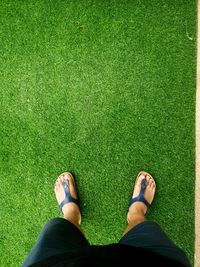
[[103, 89]]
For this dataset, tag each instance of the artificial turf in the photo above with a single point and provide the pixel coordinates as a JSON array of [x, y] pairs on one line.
[[103, 89]]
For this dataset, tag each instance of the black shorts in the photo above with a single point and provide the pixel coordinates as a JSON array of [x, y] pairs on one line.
[[59, 236]]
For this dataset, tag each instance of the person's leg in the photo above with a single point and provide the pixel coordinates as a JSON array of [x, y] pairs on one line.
[[137, 210], [71, 211], [148, 234], [60, 234]]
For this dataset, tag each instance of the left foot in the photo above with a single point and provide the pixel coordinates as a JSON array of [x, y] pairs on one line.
[[70, 210]]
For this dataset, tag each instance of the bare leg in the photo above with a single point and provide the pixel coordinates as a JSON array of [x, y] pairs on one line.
[[71, 211], [136, 213]]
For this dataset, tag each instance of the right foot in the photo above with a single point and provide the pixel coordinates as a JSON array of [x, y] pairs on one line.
[[70, 210], [139, 208]]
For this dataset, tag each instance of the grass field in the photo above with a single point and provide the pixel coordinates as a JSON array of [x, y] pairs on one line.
[[103, 89]]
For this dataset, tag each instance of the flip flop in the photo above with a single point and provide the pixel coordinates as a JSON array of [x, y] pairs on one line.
[[68, 198], [140, 197]]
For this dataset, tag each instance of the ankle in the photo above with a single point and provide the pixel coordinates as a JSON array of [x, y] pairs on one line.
[[134, 220], [72, 214], [136, 214], [138, 208]]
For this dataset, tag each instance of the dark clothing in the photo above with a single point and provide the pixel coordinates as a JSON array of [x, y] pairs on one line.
[[62, 244]]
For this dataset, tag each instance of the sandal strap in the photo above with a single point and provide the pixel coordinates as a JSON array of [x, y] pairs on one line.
[[140, 197], [68, 197]]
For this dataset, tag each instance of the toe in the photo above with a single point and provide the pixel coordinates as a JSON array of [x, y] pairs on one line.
[[59, 182], [137, 186], [139, 181], [72, 188], [57, 185], [150, 182], [66, 177], [148, 178], [141, 177], [152, 185]]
